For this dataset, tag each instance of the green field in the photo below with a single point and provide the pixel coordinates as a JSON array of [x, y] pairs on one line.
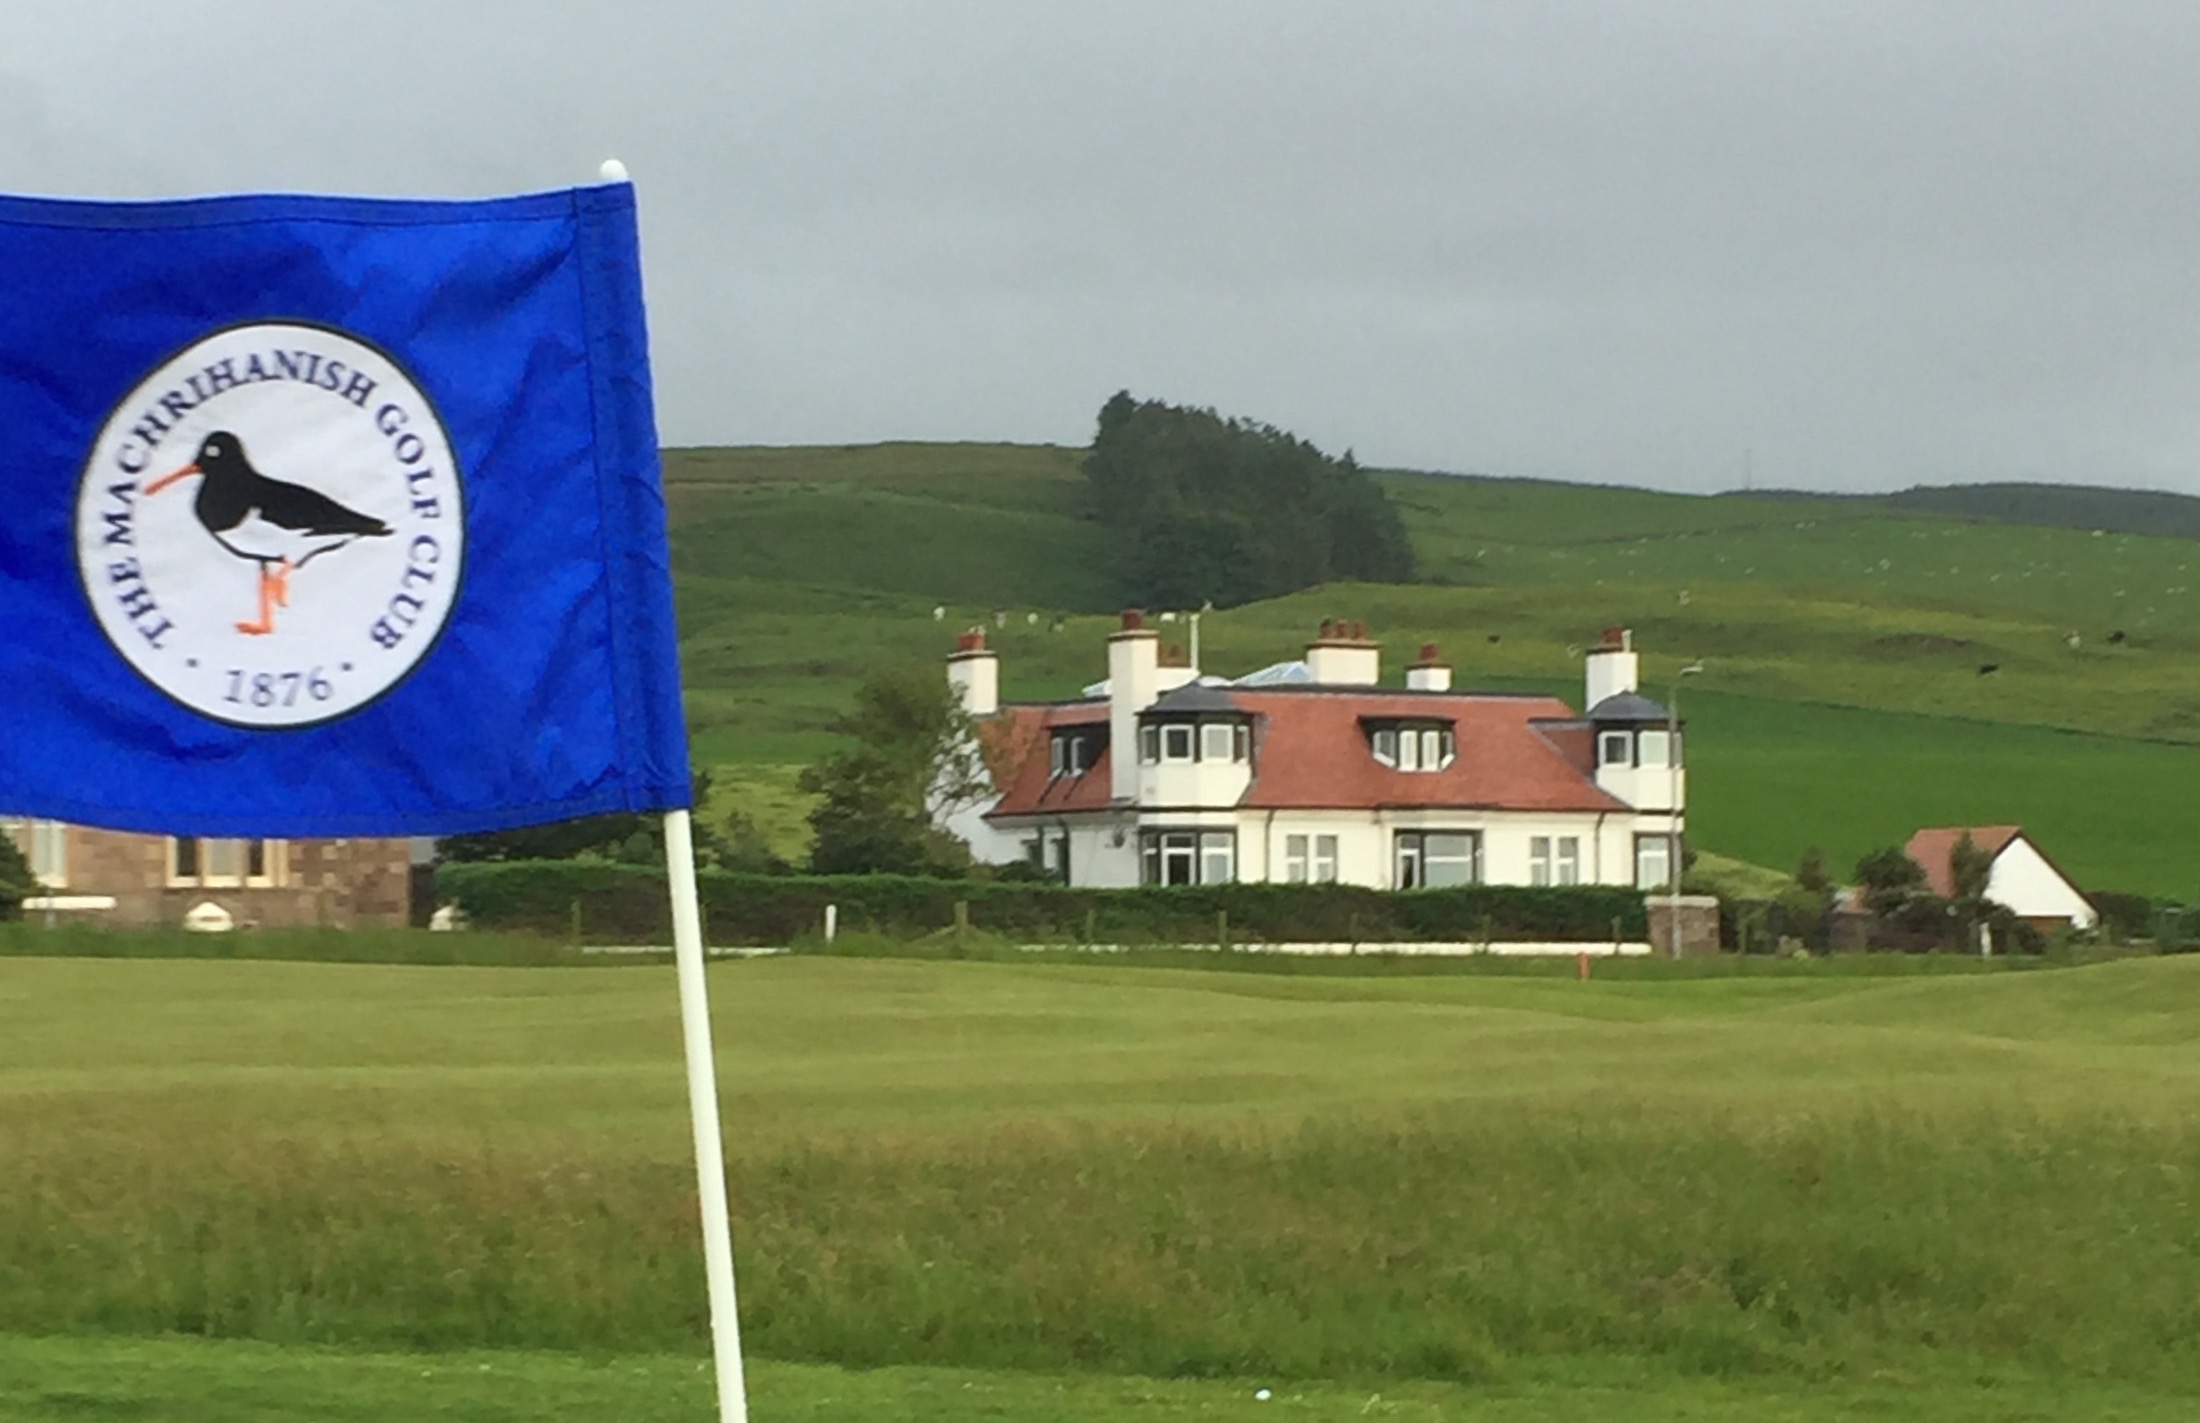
[[1804, 1191], [1842, 703], [174, 1381]]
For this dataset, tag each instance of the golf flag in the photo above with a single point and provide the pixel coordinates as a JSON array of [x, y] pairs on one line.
[[331, 517]]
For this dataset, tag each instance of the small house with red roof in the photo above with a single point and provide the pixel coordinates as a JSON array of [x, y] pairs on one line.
[[1315, 770], [2022, 879]]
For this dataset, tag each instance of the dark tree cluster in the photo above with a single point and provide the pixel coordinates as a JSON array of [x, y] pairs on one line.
[[1207, 509], [16, 881], [734, 843]]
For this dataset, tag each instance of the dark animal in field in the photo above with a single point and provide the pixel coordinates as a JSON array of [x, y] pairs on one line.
[[2116, 636], [1988, 669]]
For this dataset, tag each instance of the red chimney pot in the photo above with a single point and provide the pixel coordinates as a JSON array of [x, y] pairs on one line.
[[1134, 619], [1429, 654]]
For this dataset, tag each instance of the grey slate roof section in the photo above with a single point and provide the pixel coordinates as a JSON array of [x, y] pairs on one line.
[[1193, 698], [1628, 709]]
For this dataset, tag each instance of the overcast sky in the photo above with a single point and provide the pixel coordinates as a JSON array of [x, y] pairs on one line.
[[1837, 245]]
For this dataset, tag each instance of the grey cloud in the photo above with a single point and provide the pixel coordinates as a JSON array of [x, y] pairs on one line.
[[1868, 244]]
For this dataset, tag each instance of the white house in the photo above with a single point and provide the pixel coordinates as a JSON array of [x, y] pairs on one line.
[[1313, 771], [2023, 879]]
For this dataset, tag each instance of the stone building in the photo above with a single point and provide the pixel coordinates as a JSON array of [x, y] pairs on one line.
[[110, 877]]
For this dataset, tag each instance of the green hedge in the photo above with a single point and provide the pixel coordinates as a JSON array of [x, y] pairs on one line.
[[627, 903]]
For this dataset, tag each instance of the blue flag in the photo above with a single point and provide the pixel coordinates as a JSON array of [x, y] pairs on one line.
[[331, 517]]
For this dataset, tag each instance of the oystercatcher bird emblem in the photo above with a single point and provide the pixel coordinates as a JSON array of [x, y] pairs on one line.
[[280, 526]]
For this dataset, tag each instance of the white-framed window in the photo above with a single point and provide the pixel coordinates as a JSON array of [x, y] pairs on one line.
[[1652, 748], [1217, 857], [1217, 741], [1310, 859], [1054, 854], [1177, 742], [1187, 856], [45, 845], [1435, 859], [1653, 861], [1149, 745], [1615, 748], [225, 864], [1411, 746], [1072, 753], [1554, 859]]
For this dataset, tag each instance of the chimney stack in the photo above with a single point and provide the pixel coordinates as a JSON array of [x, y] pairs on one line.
[[1134, 682], [1610, 668], [1344, 656], [1431, 673], [975, 673]]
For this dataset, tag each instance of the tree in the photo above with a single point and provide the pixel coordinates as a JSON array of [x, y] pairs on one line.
[[623, 838], [1970, 867], [1811, 873], [915, 758], [1891, 879], [1208, 509], [17, 883]]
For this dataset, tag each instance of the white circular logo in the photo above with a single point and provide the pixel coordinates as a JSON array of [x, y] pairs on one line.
[[270, 526]]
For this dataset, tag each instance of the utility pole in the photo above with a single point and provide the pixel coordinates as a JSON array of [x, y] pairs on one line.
[[1673, 804]]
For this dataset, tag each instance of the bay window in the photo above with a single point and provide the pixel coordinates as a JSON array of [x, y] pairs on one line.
[[1187, 856]]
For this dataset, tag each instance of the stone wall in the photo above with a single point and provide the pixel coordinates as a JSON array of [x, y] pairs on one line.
[[339, 884], [1699, 923]]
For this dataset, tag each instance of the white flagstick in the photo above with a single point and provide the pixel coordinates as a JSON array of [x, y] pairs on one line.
[[710, 1150], [702, 1068]]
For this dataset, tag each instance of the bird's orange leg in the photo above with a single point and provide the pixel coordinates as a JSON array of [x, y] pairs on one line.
[[266, 624], [282, 584]]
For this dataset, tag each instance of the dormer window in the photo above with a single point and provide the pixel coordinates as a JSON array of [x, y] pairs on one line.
[[1210, 739], [1649, 749], [1074, 752], [1413, 745]]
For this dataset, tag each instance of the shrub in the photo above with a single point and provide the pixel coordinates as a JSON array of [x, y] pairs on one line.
[[2124, 916], [630, 902]]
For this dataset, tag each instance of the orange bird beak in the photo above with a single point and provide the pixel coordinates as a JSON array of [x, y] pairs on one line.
[[167, 479]]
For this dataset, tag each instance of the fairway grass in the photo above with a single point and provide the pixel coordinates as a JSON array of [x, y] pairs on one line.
[[53, 1380], [1476, 1181]]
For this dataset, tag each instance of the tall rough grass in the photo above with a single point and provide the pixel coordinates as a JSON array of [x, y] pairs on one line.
[[1443, 1246]]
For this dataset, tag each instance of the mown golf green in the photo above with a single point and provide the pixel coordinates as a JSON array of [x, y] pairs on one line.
[[1101, 1191]]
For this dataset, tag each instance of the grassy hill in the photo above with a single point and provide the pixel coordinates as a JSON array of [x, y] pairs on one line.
[[1843, 701]]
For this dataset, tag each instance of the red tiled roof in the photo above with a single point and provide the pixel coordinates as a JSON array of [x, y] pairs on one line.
[[1574, 740], [1017, 754], [1934, 850], [1310, 753]]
